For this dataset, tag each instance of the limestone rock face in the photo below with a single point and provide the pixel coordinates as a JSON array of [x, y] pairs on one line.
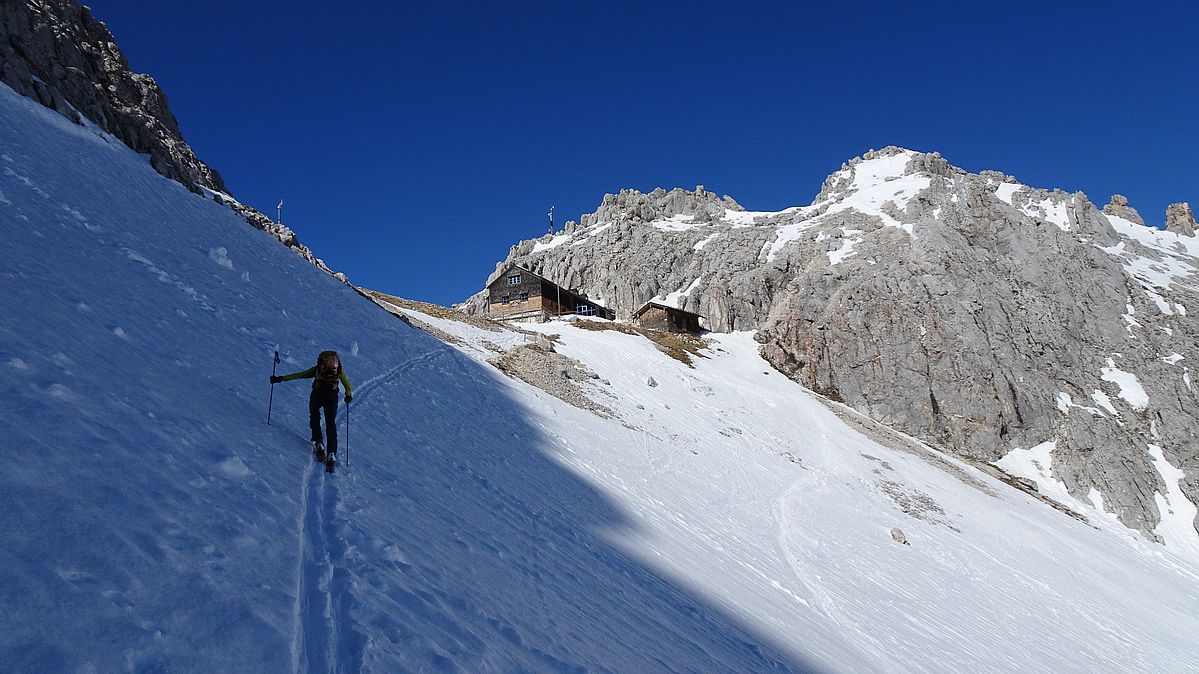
[[1119, 207], [57, 53], [969, 310], [633, 206], [1180, 219]]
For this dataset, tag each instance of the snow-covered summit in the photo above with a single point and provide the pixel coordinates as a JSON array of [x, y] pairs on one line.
[[879, 183]]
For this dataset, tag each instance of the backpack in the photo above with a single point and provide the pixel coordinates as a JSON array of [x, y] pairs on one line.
[[328, 370]]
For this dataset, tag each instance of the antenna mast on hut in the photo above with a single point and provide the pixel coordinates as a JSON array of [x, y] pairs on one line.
[[279, 220], [558, 303]]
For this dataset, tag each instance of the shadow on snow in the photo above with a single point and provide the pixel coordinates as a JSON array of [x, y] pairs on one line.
[[499, 557]]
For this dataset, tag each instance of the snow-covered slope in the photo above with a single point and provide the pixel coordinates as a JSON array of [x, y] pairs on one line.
[[722, 520], [155, 522], [747, 488]]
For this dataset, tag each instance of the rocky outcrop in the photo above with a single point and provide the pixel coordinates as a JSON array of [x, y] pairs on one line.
[[282, 232], [1180, 219], [57, 53], [1118, 206], [567, 379], [633, 206], [972, 311]]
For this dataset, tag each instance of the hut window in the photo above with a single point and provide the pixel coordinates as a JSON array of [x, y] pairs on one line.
[[504, 299], [584, 310], [524, 295], [514, 280]]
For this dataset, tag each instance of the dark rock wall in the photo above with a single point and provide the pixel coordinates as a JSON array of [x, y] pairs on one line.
[[57, 53]]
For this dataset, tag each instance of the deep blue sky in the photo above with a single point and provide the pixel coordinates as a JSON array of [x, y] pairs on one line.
[[414, 143]]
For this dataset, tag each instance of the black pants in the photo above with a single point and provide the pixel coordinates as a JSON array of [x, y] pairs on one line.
[[323, 399]]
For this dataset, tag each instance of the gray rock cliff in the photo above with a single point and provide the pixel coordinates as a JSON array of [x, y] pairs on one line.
[[1180, 219], [1118, 206], [969, 310], [57, 53]]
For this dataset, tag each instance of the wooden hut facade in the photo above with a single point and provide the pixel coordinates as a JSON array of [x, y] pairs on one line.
[[658, 316], [521, 295]]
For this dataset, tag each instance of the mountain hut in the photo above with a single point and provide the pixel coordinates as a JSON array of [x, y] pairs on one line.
[[663, 317], [520, 295]]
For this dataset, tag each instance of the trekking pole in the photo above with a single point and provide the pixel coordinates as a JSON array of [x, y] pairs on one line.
[[347, 435], [271, 402]]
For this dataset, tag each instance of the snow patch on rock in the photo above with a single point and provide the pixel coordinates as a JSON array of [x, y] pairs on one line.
[[1130, 388], [1177, 524], [554, 242]]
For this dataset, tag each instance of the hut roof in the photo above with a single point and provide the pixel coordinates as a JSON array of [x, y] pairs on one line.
[[510, 267], [667, 307]]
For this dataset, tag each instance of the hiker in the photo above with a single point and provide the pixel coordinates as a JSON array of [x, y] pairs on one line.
[[325, 375]]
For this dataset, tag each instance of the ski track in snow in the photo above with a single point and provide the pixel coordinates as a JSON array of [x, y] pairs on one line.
[[313, 614], [779, 510], [364, 389], [325, 638]]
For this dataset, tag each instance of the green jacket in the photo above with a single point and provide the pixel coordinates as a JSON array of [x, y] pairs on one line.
[[310, 373]]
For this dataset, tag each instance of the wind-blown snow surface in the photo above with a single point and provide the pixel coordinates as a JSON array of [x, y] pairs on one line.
[[729, 523]]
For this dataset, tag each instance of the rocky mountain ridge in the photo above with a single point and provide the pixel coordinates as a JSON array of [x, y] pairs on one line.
[[977, 313], [57, 53]]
